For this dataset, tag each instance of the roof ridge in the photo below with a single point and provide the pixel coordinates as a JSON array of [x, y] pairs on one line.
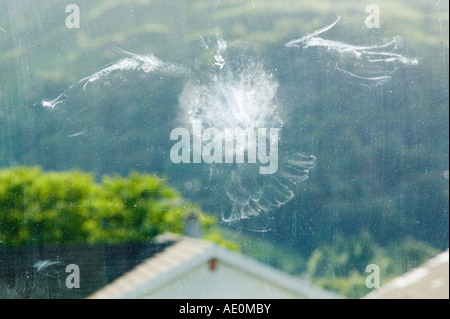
[[171, 257]]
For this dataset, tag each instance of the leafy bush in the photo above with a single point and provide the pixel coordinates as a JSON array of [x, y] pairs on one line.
[[70, 207]]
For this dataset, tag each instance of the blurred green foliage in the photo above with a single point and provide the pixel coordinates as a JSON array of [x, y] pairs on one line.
[[42, 208], [341, 265]]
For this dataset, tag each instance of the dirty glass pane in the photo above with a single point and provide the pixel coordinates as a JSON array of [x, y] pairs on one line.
[[308, 140]]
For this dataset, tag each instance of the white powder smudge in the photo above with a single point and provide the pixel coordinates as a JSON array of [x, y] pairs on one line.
[[47, 268], [305, 39], [76, 134], [55, 102], [360, 62], [138, 62], [241, 95], [146, 63], [202, 41], [221, 47]]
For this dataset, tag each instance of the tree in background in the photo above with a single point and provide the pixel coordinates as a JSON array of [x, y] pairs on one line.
[[341, 265], [39, 208]]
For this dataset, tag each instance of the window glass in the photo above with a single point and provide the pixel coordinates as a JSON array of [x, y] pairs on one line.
[[309, 136]]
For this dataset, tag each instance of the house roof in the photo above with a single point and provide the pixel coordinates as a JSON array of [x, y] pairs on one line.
[[430, 281], [189, 253]]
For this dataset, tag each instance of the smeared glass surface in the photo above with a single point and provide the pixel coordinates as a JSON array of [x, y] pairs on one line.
[[238, 93], [370, 65]]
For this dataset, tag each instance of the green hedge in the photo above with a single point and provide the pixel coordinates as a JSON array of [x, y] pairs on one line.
[[41, 208]]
